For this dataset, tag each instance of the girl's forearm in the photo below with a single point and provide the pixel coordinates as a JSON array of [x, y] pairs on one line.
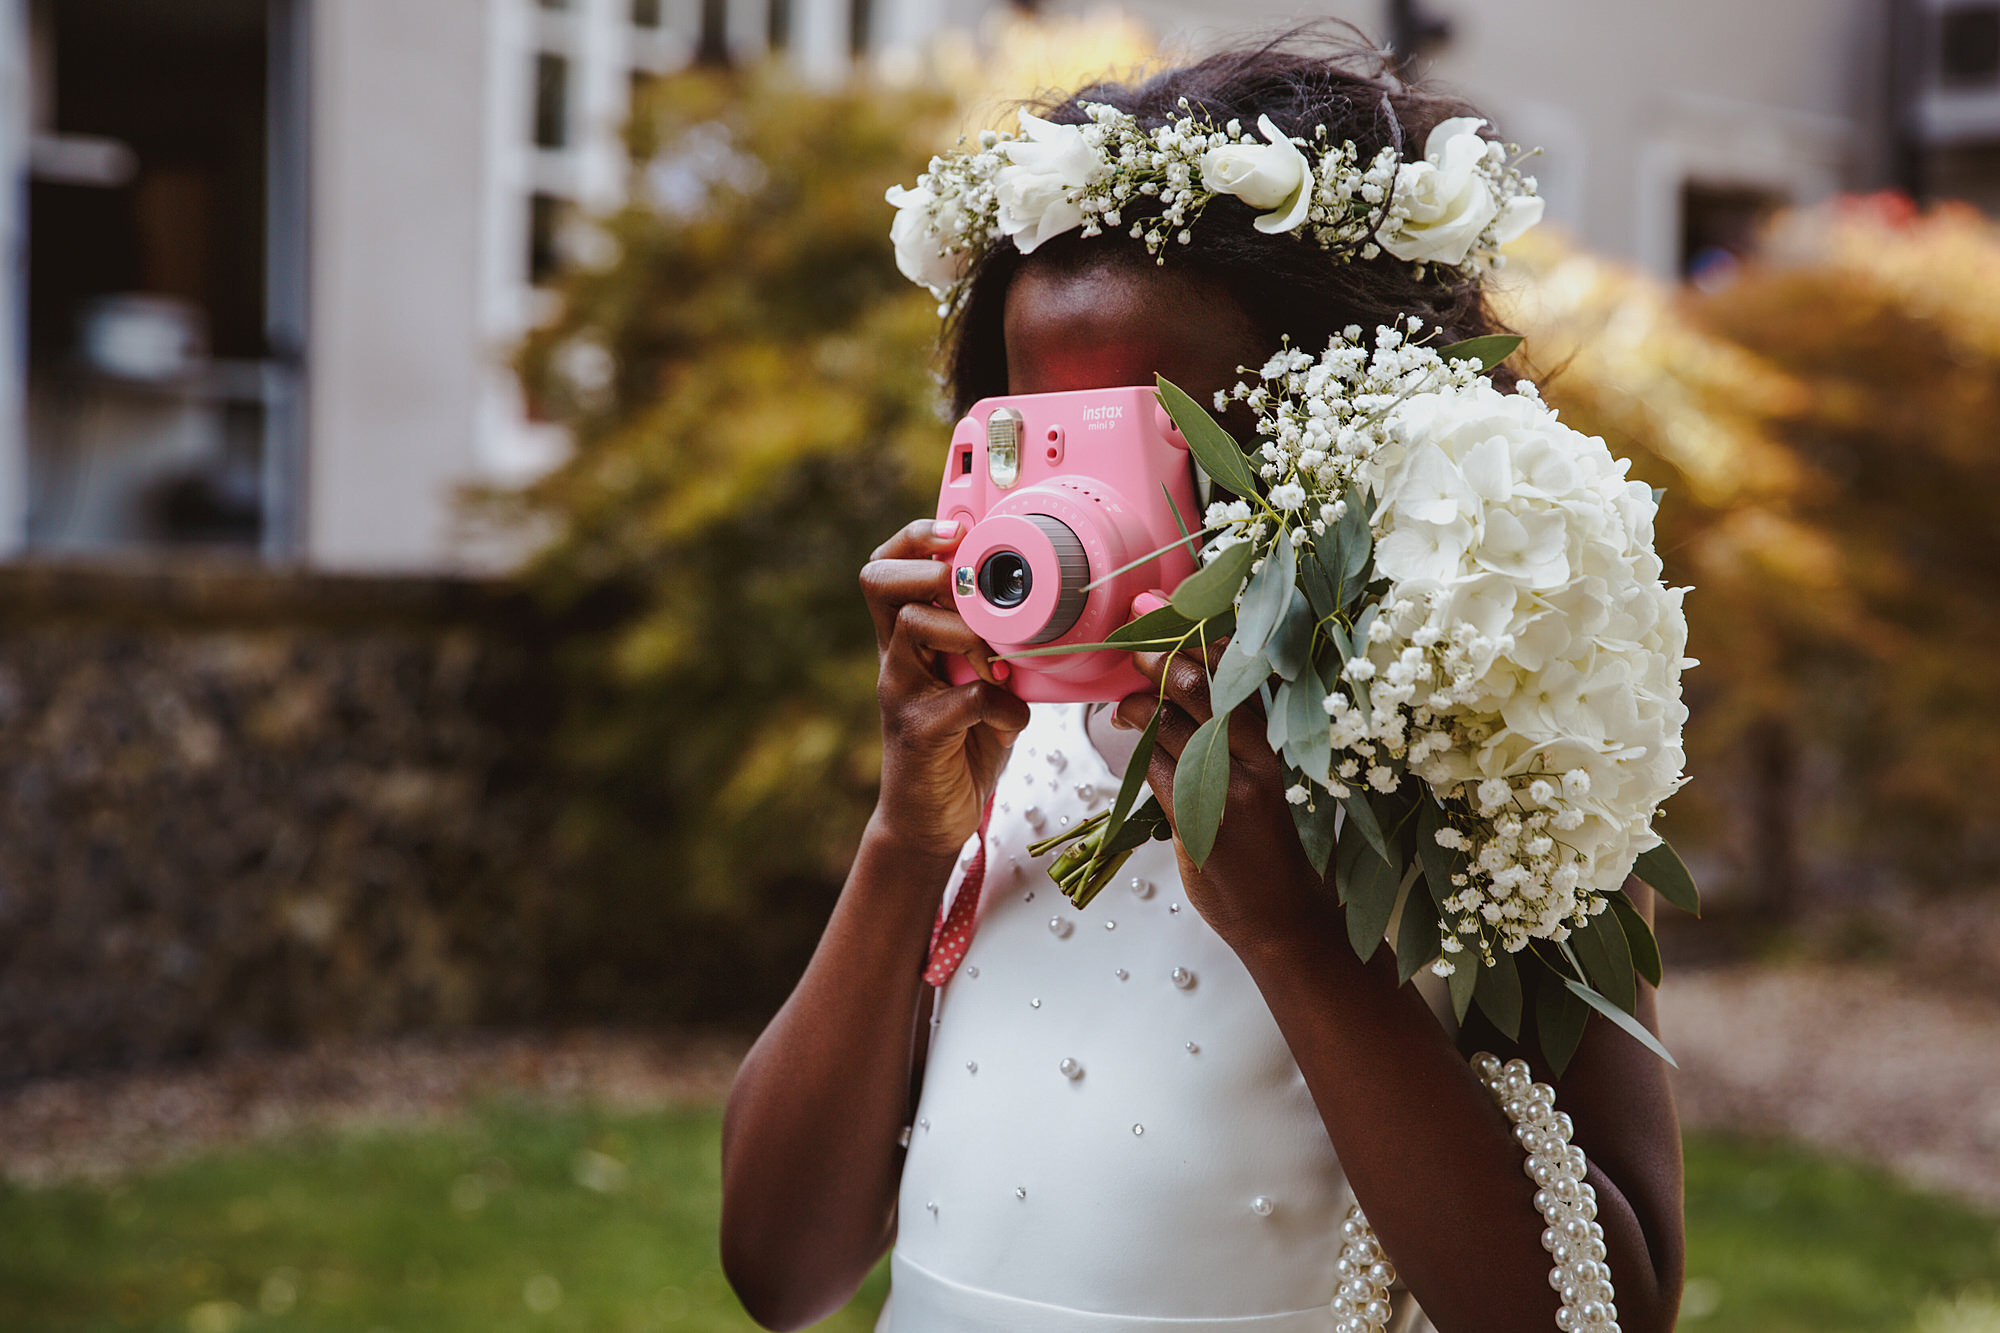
[[810, 1155], [1432, 1160]]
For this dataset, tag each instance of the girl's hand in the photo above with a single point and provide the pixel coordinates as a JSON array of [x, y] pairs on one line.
[[942, 744], [1257, 882]]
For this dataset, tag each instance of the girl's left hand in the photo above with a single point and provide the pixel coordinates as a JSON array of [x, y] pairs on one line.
[[1257, 883]]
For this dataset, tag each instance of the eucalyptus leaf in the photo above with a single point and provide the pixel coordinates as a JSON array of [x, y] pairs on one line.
[[1212, 589], [1662, 869], [1440, 863], [1291, 645], [1498, 993], [1277, 713], [1308, 730], [1211, 445], [1639, 938], [1162, 622], [1134, 780], [1201, 787], [1464, 981], [1371, 900], [1117, 645], [1559, 1018], [1238, 673], [1489, 350], [1361, 819], [1607, 959], [1269, 593], [1357, 546], [1416, 935], [1173, 507], [1315, 823], [1357, 691], [1319, 574], [1632, 1026]]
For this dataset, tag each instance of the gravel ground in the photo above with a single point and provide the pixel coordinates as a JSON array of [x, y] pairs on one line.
[[1847, 1059]]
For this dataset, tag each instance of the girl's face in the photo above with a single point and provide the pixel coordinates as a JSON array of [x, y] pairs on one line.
[[1113, 324]]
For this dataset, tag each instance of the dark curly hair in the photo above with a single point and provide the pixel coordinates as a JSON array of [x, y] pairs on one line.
[[1290, 287]]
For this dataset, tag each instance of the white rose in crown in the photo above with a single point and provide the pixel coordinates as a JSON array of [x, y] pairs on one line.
[[1047, 168], [1272, 175], [914, 234], [1447, 202]]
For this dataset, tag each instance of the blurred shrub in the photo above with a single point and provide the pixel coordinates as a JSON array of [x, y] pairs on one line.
[[747, 383], [1825, 424]]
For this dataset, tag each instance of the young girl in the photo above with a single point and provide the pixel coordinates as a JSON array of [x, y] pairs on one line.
[[1154, 1114]]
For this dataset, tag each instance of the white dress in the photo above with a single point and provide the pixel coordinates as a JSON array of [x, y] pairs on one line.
[[1112, 1133]]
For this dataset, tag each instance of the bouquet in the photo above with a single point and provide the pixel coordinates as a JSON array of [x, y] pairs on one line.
[[1449, 605]]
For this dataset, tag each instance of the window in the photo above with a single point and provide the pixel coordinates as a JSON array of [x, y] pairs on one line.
[[1720, 226], [547, 215], [551, 101], [1969, 45]]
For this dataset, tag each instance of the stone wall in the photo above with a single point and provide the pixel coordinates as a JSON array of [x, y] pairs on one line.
[[240, 807]]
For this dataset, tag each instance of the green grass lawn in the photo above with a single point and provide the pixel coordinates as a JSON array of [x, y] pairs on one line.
[[543, 1220]]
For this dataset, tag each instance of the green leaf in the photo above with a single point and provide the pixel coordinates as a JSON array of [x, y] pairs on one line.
[[1174, 508], [1134, 780], [1315, 826], [1357, 691], [1357, 547], [1292, 644], [1607, 960], [1201, 787], [1276, 714], [1161, 622], [1639, 938], [1498, 993], [1371, 900], [1559, 1019], [1238, 673], [1416, 935], [1308, 730], [1489, 351], [1319, 574], [1440, 863], [1361, 819], [1212, 446], [1464, 981], [1269, 594], [1662, 869], [1211, 590], [1632, 1026]]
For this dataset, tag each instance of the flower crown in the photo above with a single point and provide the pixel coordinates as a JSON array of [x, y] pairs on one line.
[[1454, 208]]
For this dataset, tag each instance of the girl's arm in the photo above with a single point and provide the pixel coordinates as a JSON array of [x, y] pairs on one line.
[[1432, 1160], [810, 1153]]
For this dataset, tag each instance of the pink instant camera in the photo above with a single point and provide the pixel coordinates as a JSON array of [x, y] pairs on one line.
[[1054, 491]]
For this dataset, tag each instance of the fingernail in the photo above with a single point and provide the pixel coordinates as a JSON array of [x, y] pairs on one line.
[[945, 527], [1001, 670]]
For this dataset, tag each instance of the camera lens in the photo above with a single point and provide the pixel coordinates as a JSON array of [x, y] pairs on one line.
[[1004, 579]]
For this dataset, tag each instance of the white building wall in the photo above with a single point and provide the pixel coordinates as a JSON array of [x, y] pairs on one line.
[[396, 359], [15, 118], [1630, 98]]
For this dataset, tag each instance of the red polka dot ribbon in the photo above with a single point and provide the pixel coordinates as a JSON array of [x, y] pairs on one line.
[[953, 931]]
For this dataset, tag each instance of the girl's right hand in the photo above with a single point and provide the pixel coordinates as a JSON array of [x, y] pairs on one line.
[[942, 744]]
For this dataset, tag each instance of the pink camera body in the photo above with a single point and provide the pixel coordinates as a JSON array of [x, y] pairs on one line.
[[1054, 491]]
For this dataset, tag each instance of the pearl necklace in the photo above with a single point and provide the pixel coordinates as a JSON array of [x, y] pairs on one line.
[[1565, 1200]]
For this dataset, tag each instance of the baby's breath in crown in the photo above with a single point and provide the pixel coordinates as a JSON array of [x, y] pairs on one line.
[[1453, 208]]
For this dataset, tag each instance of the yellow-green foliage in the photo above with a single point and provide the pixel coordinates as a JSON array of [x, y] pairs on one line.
[[1828, 427], [749, 383]]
